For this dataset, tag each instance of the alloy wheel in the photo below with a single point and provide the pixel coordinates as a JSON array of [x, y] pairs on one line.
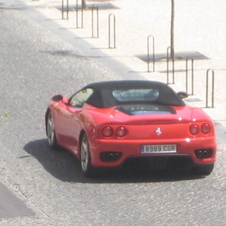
[[84, 154]]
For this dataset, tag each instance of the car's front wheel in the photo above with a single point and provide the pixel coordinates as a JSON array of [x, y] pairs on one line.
[[85, 157], [50, 131]]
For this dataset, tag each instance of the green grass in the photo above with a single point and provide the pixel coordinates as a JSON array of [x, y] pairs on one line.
[[5, 114]]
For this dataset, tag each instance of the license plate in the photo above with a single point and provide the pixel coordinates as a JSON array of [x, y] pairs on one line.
[[166, 148]]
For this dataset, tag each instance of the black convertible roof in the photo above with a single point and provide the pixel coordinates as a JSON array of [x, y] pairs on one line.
[[126, 84], [102, 96]]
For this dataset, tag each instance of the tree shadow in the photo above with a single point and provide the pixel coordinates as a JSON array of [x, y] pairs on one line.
[[64, 166]]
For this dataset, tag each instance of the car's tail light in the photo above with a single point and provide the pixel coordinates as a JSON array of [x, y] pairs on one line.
[[194, 129], [107, 131], [121, 131], [206, 128]]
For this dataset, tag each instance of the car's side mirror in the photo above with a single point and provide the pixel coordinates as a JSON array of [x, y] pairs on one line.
[[182, 95], [57, 97]]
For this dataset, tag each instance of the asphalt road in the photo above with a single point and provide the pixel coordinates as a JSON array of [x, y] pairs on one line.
[[34, 64]]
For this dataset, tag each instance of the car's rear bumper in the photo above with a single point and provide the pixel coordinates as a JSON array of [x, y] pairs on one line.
[[132, 149]]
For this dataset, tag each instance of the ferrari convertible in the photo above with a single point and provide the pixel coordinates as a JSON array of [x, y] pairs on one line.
[[107, 124]]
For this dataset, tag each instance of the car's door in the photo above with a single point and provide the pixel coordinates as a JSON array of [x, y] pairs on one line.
[[71, 118], [62, 116]]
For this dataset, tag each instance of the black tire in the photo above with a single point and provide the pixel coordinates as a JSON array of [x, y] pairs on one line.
[[85, 158], [203, 169], [50, 131]]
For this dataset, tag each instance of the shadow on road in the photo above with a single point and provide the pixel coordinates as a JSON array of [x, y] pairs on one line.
[[64, 166]]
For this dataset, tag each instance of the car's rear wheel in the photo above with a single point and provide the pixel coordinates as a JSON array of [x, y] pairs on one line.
[[203, 169], [85, 157], [50, 132]]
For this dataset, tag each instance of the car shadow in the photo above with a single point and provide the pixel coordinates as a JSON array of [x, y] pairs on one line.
[[64, 166]]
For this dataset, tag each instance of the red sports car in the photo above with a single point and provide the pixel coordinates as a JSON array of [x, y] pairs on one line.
[[106, 124]]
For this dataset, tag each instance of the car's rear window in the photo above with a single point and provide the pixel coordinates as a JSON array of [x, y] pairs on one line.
[[131, 95]]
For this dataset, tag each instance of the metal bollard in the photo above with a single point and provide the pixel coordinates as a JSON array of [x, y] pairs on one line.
[[153, 52], [207, 88], [109, 30], [97, 21], [67, 9], [192, 75], [77, 15], [168, 49]]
